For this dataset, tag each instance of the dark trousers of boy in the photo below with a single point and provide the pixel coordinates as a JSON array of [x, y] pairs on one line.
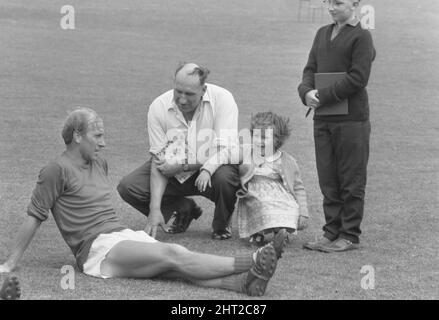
[[135, 190], [342, 154]]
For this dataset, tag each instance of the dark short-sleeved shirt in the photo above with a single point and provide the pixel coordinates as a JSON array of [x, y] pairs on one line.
[[79, 197]]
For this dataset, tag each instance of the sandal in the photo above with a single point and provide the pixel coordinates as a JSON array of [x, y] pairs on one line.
[[222, 234], [182, 219], [10, 289]]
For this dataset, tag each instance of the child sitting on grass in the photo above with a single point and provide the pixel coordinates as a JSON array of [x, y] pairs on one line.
[[272, 195]]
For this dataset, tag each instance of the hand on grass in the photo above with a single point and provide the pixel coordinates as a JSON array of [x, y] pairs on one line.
[[155, 219]]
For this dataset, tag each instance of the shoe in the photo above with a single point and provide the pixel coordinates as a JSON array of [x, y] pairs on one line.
[[317, 245], [10, 289], [339, 245], [279, 236], [261, 272], [222, 234], [182, 219], [257, 239]]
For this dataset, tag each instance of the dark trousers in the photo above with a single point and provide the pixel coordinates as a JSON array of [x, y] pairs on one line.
[[135, 190], [342, 153]]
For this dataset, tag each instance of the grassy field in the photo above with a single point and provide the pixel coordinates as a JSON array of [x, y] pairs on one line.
[[122, 55]]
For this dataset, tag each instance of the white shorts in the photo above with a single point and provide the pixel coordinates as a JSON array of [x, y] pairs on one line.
[[104, 243]]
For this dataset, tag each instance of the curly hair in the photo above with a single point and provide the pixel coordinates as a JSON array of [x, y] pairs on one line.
[[280, 125]]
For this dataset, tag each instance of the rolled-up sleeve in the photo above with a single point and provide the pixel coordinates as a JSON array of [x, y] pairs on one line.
[[156, 133], [226, 120], [47, 190], [226, 131]]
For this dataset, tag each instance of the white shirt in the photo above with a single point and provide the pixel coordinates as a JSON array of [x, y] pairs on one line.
[[215, 123]]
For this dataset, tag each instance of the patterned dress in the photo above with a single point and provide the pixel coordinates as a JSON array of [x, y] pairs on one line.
[[268, 203]]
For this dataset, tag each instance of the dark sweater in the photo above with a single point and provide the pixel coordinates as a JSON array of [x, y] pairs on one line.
[[351, 51]]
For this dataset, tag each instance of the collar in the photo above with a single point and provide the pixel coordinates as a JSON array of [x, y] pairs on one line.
[[352, 22], [274, 157]]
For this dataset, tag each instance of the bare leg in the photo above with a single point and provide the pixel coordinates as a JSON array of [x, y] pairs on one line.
[[210, 283], [146, 260], [235, 282], [252, 282]]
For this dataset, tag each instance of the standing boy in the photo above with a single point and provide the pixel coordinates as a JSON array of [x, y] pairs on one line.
[[341, 141]]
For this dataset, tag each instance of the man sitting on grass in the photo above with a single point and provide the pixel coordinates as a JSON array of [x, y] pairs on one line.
[[75, 188]]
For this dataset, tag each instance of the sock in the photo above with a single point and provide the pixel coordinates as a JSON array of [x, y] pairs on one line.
[[234, 282], [244, 263]]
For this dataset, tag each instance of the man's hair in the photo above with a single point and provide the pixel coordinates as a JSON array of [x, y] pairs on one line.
[[280, 125], [78, 120], [201, 72]]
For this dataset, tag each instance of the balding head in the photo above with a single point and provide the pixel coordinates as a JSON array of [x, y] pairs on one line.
[[187, 68], [190, 69], [189, 87]]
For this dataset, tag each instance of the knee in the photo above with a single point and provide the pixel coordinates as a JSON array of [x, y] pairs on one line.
[[331, 193], [353, 192], [176, 255], [185, 204], [226, 176], [177, 251], [122, 189]]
